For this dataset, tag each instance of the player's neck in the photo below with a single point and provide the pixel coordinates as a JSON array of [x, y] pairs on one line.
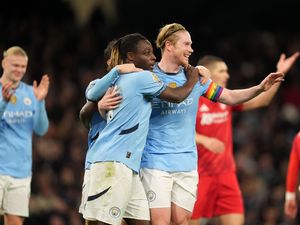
[[168, 66]]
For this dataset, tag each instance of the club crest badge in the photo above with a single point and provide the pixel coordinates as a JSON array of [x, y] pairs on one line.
[[115, 212], [151, 196], [27, 101]]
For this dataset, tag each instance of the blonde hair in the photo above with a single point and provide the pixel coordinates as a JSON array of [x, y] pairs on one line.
[[15, 50], [167, 33]]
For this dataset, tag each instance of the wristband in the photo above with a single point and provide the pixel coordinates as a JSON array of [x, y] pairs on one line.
[[290, 196]]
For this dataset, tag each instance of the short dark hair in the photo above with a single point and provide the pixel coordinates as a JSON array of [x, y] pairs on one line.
[[207, 60], [123, 45]]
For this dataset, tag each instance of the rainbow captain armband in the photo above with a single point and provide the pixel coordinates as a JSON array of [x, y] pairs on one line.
[[213, 92]]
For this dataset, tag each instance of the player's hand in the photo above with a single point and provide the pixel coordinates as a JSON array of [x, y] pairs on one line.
[[284, 64], [7, 91], [270, 80], [127, 68], [215, 145], [111, 99], [204, 73], [290, 208], [41, 90]]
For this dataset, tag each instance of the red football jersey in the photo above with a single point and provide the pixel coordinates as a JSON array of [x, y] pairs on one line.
[[215, 120], [294, 163]]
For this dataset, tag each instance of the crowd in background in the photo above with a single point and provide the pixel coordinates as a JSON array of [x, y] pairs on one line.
[[72, 55]]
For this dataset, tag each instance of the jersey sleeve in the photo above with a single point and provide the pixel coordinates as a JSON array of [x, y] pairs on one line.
[[212, 91], [97, 88], [293, 167], [150, 85], [40, 119], [2, 106]]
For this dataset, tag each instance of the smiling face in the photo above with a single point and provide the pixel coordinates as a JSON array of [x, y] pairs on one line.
[[14, 67], [178, 47], [182, 47]]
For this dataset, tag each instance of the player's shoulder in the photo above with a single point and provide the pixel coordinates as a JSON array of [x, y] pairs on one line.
[[24, 86]]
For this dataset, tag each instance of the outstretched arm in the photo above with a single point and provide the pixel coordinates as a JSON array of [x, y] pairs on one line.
[[232, 97], [283, 65]]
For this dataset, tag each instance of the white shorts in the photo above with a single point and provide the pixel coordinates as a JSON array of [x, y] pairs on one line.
[[14, 195], [163, 187], [85, 187], [114, 192]]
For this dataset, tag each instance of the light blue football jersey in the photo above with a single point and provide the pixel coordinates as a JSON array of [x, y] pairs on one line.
[[124, 136], [19, 118], [170, 144]]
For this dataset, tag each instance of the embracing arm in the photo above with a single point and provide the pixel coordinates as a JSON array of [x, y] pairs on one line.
[[110, 100], [178, 94], [86, 113], [98, 87], [232, 97]]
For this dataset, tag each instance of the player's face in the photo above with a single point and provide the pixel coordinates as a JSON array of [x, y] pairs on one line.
[[219, 73], [14, 67], [183, 48], [144, 57]]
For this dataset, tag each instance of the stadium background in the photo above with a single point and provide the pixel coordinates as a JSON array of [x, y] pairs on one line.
[[66, 40]]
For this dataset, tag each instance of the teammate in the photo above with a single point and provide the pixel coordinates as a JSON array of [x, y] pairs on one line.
[[218, 190], [291, 206], [169, 160], [22, 112], [115, 190]]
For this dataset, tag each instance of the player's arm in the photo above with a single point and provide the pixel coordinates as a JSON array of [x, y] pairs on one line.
[[283, 65], [6, 95], [178, 94], [86, 113], [211, 143], [290, 206], [110, 100], [98, 87], [40, 119], [232, 97]]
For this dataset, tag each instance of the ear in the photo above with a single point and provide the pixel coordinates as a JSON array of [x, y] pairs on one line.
[[130, 56], [168, 45], [3, 63]]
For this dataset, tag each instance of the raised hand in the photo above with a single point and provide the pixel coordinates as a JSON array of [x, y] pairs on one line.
[[284, 64], [7, 91], [127, 68], [271, 79], [41, 90]]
